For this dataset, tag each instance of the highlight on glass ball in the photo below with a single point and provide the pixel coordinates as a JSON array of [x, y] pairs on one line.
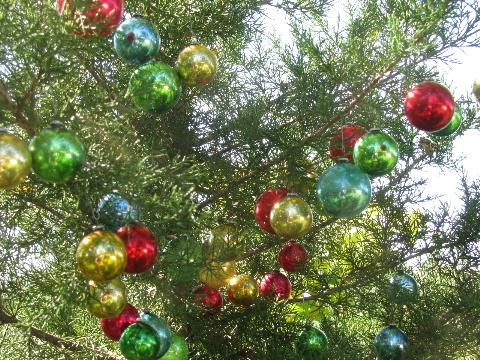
[[141, 247], [178, 349], [114, 212], [197, 65], [343, 140], [57, 154], [242, 290], [15, 160], [161, 329], [391, 343], [275, 286], [292, 257], [429, 106], [453, 125], [402, 288], [115, 326], [376, 153], [217, 274], [264, 205], [312, 343], [106, 299], [209, 297], [344, 190], [291, 217], [136, 40], [155, 86], [224, 243]]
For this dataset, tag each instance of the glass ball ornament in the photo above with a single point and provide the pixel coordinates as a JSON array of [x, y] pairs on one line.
[[15, 160], [311, 344], [402, 288], [223, 243], [57, 154], [344, 190], [155, 86], [136, 40], [376, 153], [429, 106], [291, 217], [161, 329], [275, 286], [139, 342], [115, 326], [292, 257], [209, 297], [178, 349], [391, 343], [453, 125], [114, 212], [264, 205], [217, 274], [343, 140], [101, 256], [242, 290], [93, 17], [476, 89], [106, 299], [197, 65], [141, 248]]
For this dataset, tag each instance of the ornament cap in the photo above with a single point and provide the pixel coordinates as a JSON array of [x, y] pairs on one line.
[[4, 131], [293, 194], [98, 227], [392, 325], [138, 16], [342, 160], [375, 130], [57, 125]]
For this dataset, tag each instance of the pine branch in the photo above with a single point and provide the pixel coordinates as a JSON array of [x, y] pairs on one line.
[[11, 105]]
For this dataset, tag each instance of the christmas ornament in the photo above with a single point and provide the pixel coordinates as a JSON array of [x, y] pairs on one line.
[[275, 285], [15, 160], [453, 125], [197, 65], [217, 274], [209, 297], [101, 256], [292, 257], [376, 153], [476, 89], [106, 299], [136, 40], [311, 344], [264, 205], [99, 17], [115, 326], [57, 154], [178, 349], [114, 212], [391, 343], [343, 140], [223, 243], [141, 248], [344, 190], [139, 342], [161, 329], [429, 106], [155, 86], [402, 288], [242, 290], [291, 217]]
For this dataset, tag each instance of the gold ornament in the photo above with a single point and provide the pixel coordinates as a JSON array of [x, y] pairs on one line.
[[476, 89], [217, 274], [223, 244], [101, 256], [291, 217], [197, 65], [242, 290], [106, 299], [15, 160]]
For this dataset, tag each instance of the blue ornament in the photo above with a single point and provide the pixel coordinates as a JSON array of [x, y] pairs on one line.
[[114, 212], [136, 41], [391, 343], [402, 288], [161, 329], [344, 190]]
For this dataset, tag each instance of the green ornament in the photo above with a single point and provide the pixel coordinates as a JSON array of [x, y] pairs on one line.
[[453, 125], [376, 153], [161, 330], [391, 343], [312, 344], [57, 154], [139, 342], [178, 349], [402, 288], [155, 86]]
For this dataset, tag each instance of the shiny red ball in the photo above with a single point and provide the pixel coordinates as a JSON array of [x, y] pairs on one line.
[[114, 327], [343, 140], [99, 17], [275, 285], [265, 203], [208, 296], [293, 256], [141, 248], [429, 106]]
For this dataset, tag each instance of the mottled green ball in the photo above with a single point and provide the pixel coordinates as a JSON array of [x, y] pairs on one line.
[[391, 343], [453, 125], [402, 288], [161, 330], [178, 349], [155, 86], [312, 344], [376, 153], [139, 342]]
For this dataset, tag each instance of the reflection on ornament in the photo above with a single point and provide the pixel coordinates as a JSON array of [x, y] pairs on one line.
[[453, 125], [217, 274], [264, 205], [141, 248], [402, 288], [106, 299], [139, 342], [209, 297], [276, 286], [178, 350], [291, 217], [15, 160], [223, 244], [197, 65], [312, 343], [242, 290], [115, 326], [343, 140], [114, 212], [391, 343], [161, 329], [292, 257]]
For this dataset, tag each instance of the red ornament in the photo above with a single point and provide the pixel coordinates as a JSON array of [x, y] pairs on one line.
[[265, 203], [98, 17], [114, 327], [141, 248], [208, 296], [275, 285], [429, 106], [293, 256], [343, 140]]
